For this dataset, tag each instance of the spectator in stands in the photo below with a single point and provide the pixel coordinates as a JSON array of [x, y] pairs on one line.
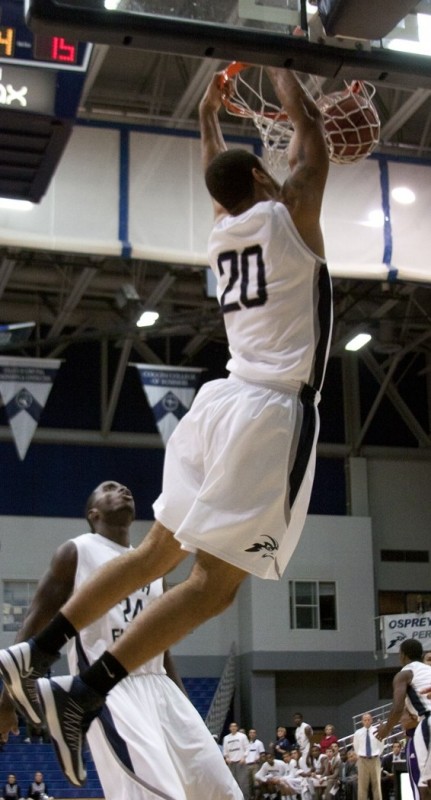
[[350, 779], [291, 761], [11, 790], [281, 744], [38, 790], [253, 759], [315, 772], [303, 736], [36, 733], [293, 782], [427, 658], [328, 739], [295, 756], [387, 776], [333, 772], [267, 778], [235, 746]]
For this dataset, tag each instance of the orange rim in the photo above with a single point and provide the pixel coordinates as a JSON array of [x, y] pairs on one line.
[[229, 103]]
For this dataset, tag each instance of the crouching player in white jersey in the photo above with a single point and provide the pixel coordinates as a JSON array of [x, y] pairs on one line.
[[239, 467], [148, 742]]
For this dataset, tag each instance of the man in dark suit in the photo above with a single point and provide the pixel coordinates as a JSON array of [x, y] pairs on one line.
[[387, 778], [350, 777]]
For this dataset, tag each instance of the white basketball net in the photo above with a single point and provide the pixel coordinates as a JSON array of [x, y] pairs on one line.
[[275, 128]]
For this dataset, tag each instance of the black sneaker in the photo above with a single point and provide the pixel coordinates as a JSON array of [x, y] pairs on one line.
[[20, 666], [69, 706]]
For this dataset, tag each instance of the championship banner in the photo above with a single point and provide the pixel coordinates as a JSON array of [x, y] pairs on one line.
[[25, 384], [170, 392], [398, 627]]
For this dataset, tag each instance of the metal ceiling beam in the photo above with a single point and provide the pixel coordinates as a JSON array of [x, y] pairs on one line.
[[159, 291], [378, 398], [147, 353], [7, 266], [400, 117], [133, 440], [351, 394], [72, 300], [118, 382], [418, 432]]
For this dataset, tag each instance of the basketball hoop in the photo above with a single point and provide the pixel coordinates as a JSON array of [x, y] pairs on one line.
[[351, 122]]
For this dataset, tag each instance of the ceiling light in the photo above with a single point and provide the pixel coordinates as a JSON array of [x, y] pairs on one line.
[[376, 218], [15, 205], [358, 341], [147, 319], [404, 195]]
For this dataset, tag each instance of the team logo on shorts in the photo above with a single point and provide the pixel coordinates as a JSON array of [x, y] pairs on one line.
[[269, 545]]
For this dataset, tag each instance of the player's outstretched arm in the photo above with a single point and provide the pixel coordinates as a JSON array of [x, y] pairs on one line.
[[308, 158], [400, 684], [212, 141]]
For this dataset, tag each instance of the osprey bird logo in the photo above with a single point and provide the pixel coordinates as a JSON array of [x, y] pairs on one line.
[[269, 545], [400, 638]]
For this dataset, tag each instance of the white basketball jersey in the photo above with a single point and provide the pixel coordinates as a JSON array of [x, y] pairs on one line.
[[275, 295], [94, 550], [416, 702]]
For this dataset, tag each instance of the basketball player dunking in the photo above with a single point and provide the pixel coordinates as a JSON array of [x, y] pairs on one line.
[[239, 467]]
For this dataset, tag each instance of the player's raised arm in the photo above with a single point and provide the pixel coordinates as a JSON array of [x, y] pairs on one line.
[[212, 141], [308, 156]]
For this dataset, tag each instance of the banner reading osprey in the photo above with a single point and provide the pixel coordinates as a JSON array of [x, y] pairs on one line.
[[398, 627], [170, 392], [25, 384]]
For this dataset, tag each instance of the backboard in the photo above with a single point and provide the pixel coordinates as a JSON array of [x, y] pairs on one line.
[[278, 32]]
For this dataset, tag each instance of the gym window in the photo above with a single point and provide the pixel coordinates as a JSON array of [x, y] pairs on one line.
[[313, 605], [17, 596], [408, 556]]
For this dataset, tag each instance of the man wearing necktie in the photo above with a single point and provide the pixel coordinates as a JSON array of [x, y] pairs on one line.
[[368, 750]]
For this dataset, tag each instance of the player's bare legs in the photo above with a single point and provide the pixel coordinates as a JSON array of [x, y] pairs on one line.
[[70, 704], [209, 590]]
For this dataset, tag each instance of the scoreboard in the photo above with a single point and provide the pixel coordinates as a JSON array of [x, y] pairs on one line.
[[18, 45], [41, 82]]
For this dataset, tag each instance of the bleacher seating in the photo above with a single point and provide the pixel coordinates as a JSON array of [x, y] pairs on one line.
[[201, 692], [24, 759]]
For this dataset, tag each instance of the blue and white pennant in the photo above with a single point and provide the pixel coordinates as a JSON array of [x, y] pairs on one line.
[[25, 384], [170, 392]]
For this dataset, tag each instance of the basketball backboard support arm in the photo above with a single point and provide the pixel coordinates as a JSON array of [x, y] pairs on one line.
[[369, 19], [89, 20]]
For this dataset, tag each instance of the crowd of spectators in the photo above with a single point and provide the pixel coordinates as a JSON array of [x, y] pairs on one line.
[[37, 789], [308, 766]]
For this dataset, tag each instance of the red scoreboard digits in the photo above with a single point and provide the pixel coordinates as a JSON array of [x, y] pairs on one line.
[[63, 51], [55, 48]]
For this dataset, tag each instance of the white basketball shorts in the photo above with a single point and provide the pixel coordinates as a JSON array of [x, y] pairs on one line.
[[238, 474], [150, 743], [422, 744]]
